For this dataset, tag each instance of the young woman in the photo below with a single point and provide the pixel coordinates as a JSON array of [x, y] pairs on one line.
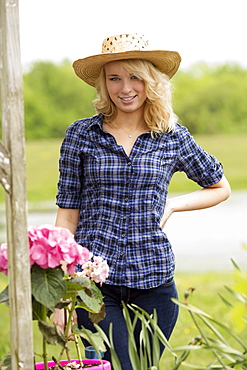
[[115, 169]]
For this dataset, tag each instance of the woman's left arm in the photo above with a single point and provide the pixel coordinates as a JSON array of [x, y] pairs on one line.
[[200, 199]]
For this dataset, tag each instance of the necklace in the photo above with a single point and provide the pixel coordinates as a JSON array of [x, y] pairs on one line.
[[128, 133]]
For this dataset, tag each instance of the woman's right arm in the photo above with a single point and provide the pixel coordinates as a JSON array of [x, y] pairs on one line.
[[68, 218]]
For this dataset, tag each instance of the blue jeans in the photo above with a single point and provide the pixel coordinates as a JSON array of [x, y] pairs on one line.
[[148, 299]]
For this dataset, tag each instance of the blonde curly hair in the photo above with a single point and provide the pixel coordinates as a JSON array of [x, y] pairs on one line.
[[158, 111]]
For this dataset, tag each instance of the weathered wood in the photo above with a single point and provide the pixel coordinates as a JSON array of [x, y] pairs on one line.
[[16, 207], [5, 168]]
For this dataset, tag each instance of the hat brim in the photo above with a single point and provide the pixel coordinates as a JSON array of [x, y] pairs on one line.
[[88, 69]]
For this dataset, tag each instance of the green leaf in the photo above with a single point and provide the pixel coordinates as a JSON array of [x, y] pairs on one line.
[[160, 334], [224, 348], [134, 358], [97, 317], [188, 347], [63, 304], [89, 302], [228, 304], [6, 362], [77, 283], [191, 308], [52, 334], [195, 367], [96, 291], [235, 265], [4, 296], [95, 339], [71, 288], [37, 309], [48, 286], [213, 329], [109, 341], [236, 294]]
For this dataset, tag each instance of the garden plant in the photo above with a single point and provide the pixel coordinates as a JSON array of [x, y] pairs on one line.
[[54, 287], [228, 349]]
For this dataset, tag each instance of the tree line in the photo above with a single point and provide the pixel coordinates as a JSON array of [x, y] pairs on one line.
[[207, 99]]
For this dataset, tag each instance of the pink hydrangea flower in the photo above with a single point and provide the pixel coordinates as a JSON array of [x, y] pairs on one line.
[[4, 259], [49, 245]]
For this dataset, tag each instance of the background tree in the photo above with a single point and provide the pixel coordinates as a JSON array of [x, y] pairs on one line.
[[207, 99], [211, 100], [54, 97]]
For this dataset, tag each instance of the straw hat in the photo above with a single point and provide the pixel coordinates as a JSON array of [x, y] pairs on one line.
[[126, 46]]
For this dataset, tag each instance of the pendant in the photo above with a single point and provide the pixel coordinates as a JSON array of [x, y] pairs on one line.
[[130, 135]]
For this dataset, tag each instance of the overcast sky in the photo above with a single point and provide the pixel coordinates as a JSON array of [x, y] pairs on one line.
[[213, 31]]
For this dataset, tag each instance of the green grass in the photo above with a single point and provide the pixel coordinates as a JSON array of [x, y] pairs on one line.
[[230, 150], [41, 170], [207, 286], [206, 297], [42, 166]]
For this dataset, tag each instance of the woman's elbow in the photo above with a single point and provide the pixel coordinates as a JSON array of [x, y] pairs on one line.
[[225, 188]]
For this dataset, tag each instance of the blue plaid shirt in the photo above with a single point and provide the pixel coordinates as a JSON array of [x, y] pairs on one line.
[[122, 199]]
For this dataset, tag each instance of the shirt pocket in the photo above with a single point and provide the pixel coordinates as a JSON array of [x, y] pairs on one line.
[[90, 165]]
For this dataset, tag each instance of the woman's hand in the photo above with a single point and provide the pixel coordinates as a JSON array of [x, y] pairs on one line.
[[200, 199], [67, 218], [167, 213], [60, 318]]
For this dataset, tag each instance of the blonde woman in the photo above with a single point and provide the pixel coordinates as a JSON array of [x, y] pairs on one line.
[[115, 169]]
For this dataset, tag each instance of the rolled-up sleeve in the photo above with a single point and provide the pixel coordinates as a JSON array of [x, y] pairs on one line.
[[70, 169], [199, 166]]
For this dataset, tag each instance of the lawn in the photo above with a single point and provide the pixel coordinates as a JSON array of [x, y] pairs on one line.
[[207, 286], [42, 165]]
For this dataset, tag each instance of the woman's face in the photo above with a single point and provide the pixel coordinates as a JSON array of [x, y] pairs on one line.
[[125, 90]]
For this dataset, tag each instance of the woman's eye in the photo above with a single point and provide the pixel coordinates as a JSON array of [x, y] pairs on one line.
[[135, 77], [114, 79]]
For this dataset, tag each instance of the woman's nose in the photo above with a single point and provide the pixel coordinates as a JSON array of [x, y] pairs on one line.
[[126, 87]]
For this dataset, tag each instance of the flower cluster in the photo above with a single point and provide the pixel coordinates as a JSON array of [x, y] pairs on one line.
[[49, 245], [95, 268], [4, 258], [54, 258]]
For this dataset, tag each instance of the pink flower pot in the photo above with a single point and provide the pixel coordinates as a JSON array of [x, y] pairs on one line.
[[105, 366]]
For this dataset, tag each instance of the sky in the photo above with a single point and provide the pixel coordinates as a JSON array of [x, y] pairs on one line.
[[212, 31]]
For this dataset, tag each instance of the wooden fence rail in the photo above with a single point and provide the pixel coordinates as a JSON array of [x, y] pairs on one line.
[[13, 178]]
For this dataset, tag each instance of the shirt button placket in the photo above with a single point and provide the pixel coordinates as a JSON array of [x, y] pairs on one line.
[[126, 204]]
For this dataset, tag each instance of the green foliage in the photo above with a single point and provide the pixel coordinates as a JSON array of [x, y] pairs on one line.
[[50, 289], [207, 99], [53, 98], [48, 286], [228, 349], [208, 285], [148, 356], [226, 346], [211, 100]]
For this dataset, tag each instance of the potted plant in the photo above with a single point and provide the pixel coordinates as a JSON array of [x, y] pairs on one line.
[[55, 284]]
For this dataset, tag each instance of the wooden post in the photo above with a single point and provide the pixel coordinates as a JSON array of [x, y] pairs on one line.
[[13, 178]]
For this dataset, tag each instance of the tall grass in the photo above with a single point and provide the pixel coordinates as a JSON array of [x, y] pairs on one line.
[[207, 286], [42, 165]]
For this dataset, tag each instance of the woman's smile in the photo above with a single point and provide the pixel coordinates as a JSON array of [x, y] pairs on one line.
[[129, 99]]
